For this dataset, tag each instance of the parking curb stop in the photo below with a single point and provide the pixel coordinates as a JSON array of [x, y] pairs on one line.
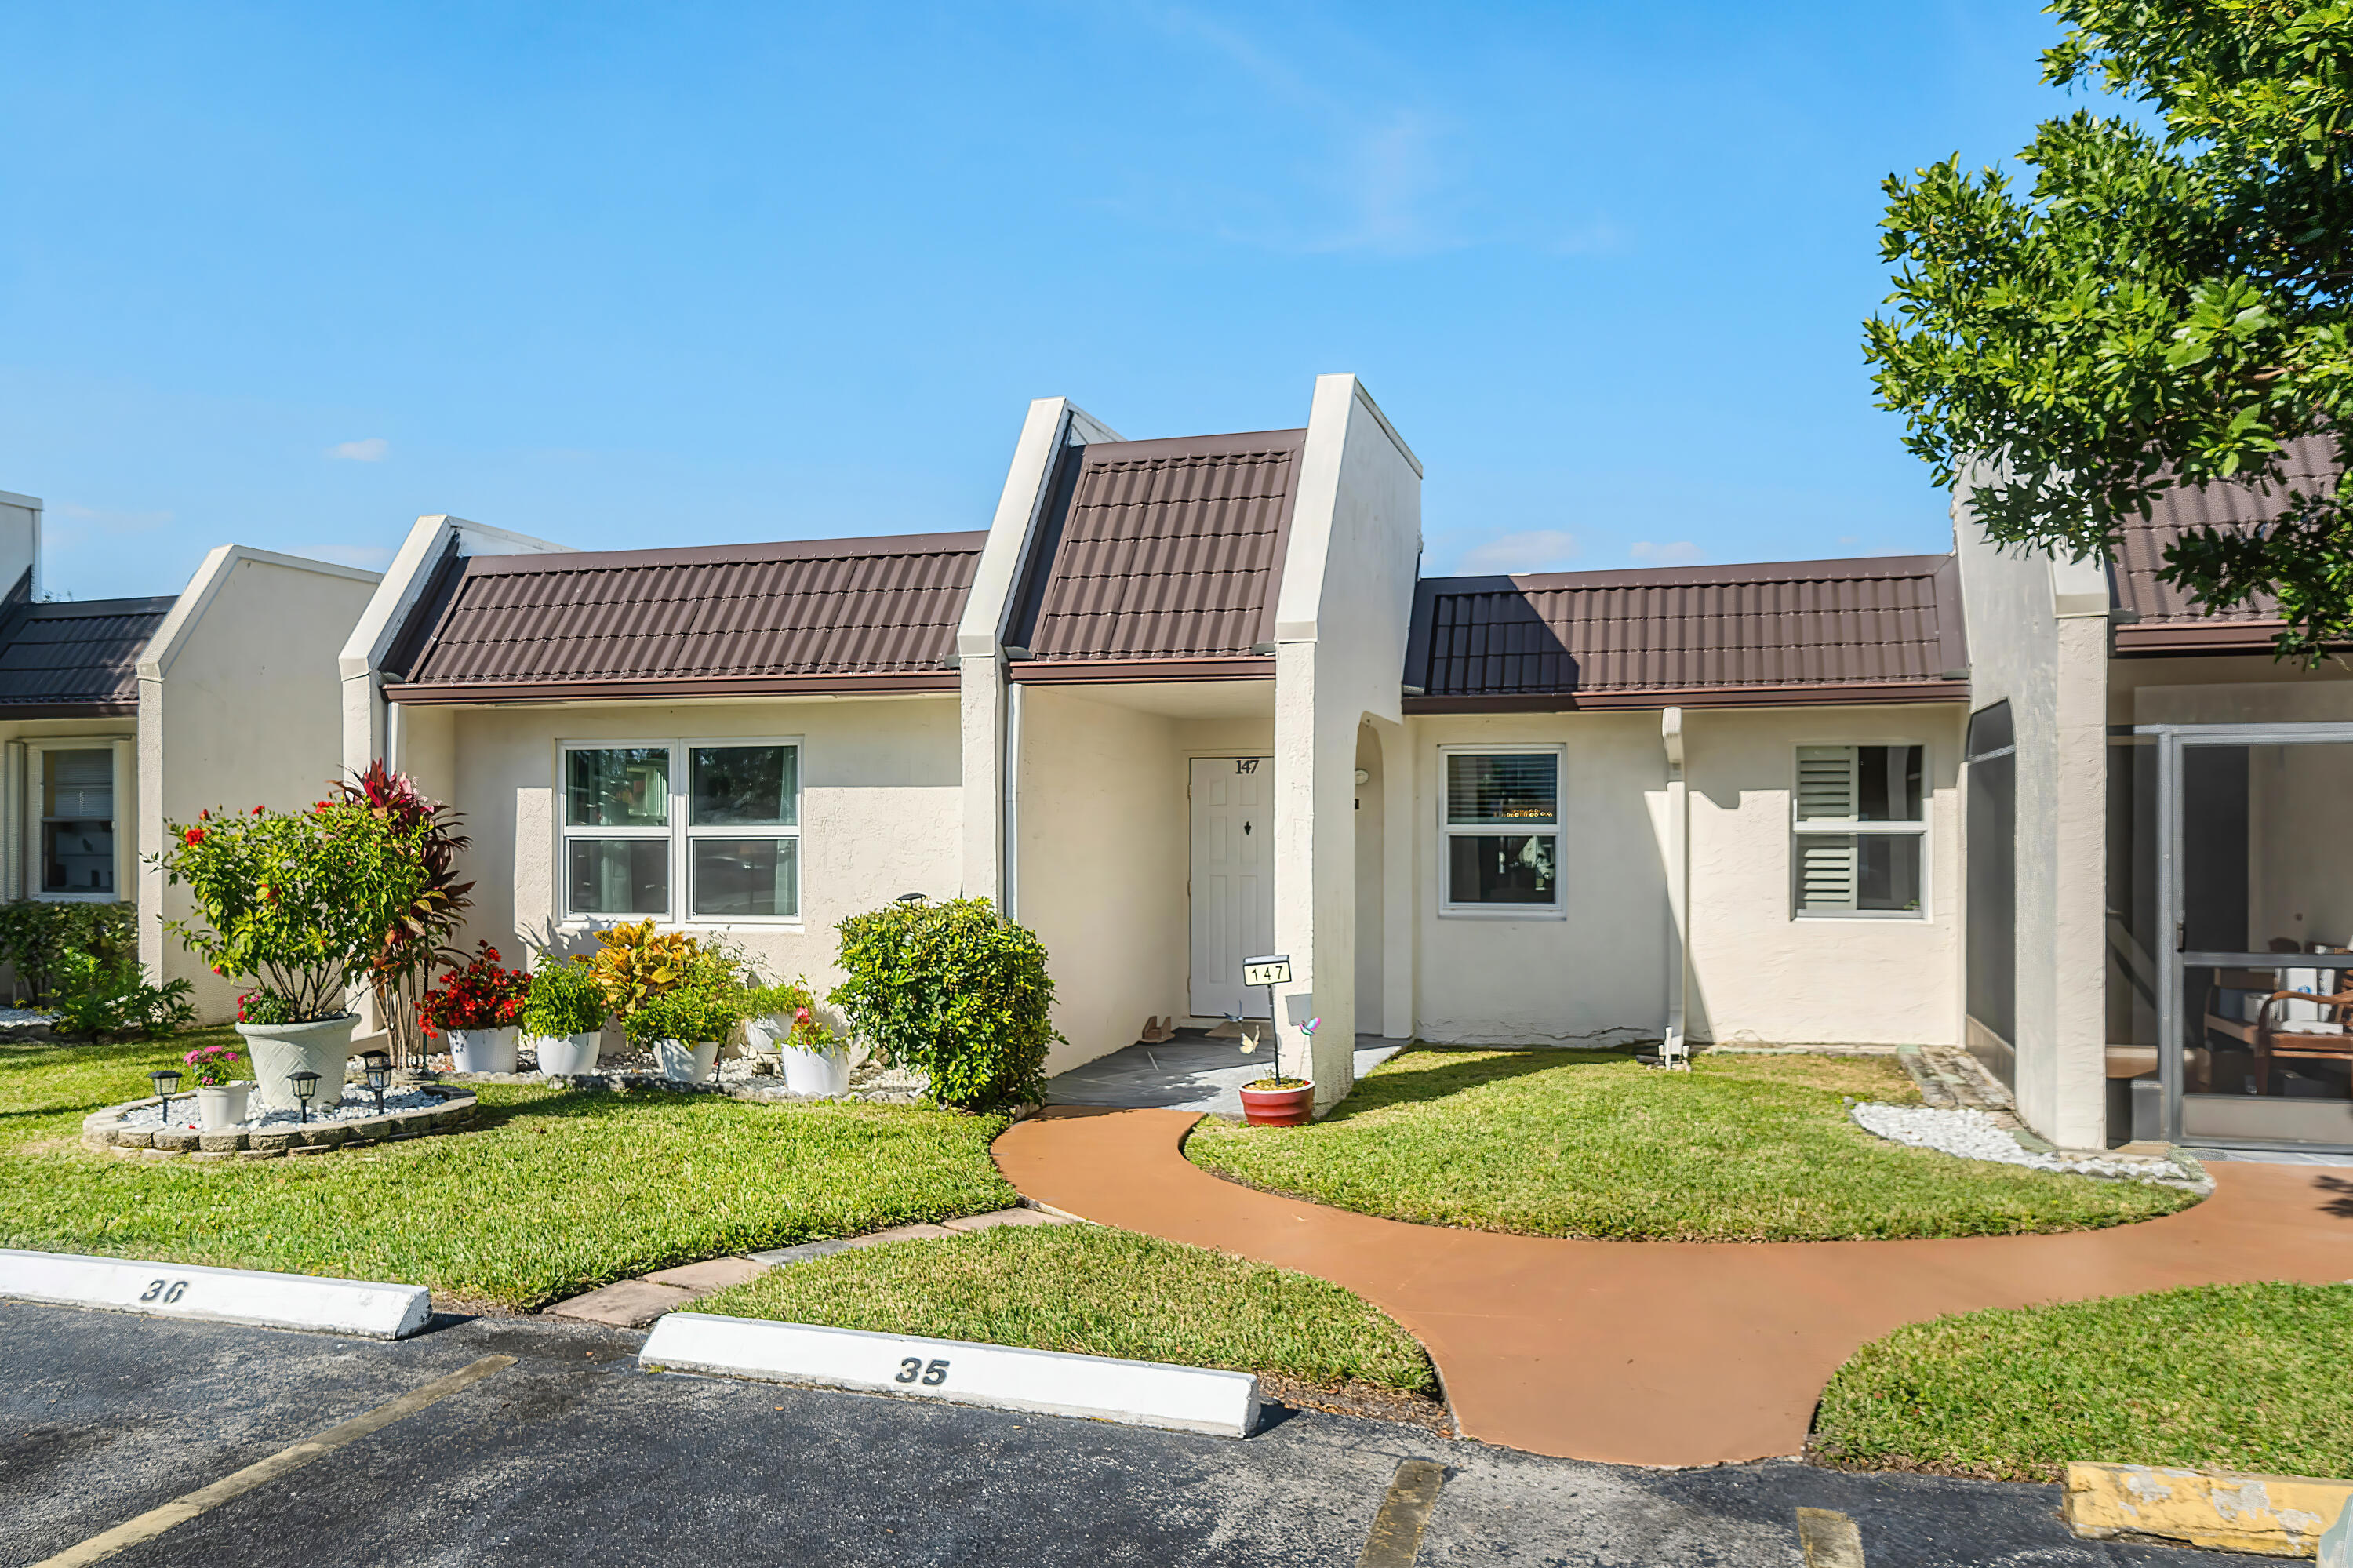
[[361, 1309], [1050, 1382], [2276, 1515]]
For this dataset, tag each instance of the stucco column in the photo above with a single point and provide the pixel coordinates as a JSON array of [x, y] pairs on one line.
[[1401, 878], [2075, 1114], [1315, 872], [984, 757]]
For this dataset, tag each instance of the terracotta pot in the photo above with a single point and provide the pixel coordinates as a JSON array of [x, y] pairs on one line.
[[1280, 1107]]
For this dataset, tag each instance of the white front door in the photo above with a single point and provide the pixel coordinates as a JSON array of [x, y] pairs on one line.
[[1233, 880]]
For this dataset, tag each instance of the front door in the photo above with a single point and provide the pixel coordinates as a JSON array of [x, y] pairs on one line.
[[1233, 880]]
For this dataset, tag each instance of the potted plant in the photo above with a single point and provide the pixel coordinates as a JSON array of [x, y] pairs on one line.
[[783, 1019], [1277, 1101], [298, 903], [562, 1018], [683, 1028], [475, 1009], [221, 1101]]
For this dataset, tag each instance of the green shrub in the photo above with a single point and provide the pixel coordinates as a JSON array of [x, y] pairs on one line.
[[955, 991], [35, 933], [96, 996], [688, 1014], [566, 998]]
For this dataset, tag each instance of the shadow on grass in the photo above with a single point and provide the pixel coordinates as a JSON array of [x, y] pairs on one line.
[[1424, 1074]]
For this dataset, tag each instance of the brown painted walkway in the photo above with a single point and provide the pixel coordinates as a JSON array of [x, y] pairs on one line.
[[1662, 1352]]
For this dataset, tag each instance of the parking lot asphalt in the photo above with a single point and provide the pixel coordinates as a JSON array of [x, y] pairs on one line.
[[572, 1455]]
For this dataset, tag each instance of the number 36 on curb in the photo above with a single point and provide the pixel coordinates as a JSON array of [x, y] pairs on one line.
[[912, 1370]]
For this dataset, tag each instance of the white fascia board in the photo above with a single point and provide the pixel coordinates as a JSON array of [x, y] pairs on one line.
[[406, 579], [350, 1306], [1052, 1382], [10, 498], [1052, 425], [156, 659]]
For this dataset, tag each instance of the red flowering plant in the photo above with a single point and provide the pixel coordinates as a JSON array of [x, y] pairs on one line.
[[299, 902], [476, 994]]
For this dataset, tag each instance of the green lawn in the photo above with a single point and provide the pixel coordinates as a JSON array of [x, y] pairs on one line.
[[1093, 1291], [2239, 1377], [551, 1192], [1588, 1143]]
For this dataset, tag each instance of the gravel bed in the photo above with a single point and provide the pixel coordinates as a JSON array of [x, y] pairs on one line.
[[1974, 1134], [356, 1104]]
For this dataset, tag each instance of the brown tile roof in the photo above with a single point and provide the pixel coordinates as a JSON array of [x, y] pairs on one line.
[[1878, 630], [870, 615], [1160, 551], [74, 657], [2164, 617]]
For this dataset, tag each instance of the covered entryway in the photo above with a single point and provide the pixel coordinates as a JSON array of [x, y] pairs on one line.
[[1232, 885]]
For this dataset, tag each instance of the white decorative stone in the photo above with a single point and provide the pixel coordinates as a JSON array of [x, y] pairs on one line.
[[1139, 1393], [217, 1295]]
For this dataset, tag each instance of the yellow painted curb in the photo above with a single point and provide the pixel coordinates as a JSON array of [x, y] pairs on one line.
[[2278, 1516]]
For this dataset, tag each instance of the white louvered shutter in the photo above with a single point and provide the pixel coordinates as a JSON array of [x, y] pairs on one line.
[[1828, 791]]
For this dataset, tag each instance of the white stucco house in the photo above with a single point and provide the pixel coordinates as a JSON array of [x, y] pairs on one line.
[[1187, 700], [118, 715]]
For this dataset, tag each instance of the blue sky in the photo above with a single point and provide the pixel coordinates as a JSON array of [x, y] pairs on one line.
[[628, 276]]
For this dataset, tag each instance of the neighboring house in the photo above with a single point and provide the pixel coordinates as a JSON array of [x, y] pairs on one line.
[[1189, 701], [2156, 822], [117, 715]]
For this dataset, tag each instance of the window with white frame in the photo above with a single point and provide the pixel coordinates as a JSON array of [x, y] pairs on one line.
[[75, 797], [1860, 831], [1499, 828], [716, 821]]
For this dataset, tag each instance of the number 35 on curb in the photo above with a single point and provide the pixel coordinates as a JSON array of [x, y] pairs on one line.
[[912, 1370]]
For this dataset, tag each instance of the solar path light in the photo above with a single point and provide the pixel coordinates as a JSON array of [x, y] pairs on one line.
[[167, 1084], [306, 1084], [379, 1074]]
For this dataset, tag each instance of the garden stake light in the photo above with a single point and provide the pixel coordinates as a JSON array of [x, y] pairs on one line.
[[306, 1084], [167, 1084], [379, 1074]]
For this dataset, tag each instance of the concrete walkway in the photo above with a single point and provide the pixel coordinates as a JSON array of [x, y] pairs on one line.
[[1662, 1352], [1193, 1072]]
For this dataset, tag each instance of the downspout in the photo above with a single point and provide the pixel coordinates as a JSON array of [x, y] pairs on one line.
[[1010, 858], [1674, 1051]]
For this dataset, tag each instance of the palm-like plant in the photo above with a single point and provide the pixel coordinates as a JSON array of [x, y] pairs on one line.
[[421, 936]]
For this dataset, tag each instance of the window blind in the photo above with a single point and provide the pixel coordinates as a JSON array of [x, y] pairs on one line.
[[1517, 790]]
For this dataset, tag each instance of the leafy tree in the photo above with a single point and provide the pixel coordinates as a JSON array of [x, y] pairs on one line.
[[2167, 304]]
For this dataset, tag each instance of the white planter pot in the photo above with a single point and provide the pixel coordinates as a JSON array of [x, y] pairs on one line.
[[322, 1046], [220, 1107], [481, 1050], [815, 1071], [806, 1072], [567, 1055], [687, 1064]]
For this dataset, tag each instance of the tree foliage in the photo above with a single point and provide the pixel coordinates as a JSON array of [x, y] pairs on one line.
[[2165, 303]]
